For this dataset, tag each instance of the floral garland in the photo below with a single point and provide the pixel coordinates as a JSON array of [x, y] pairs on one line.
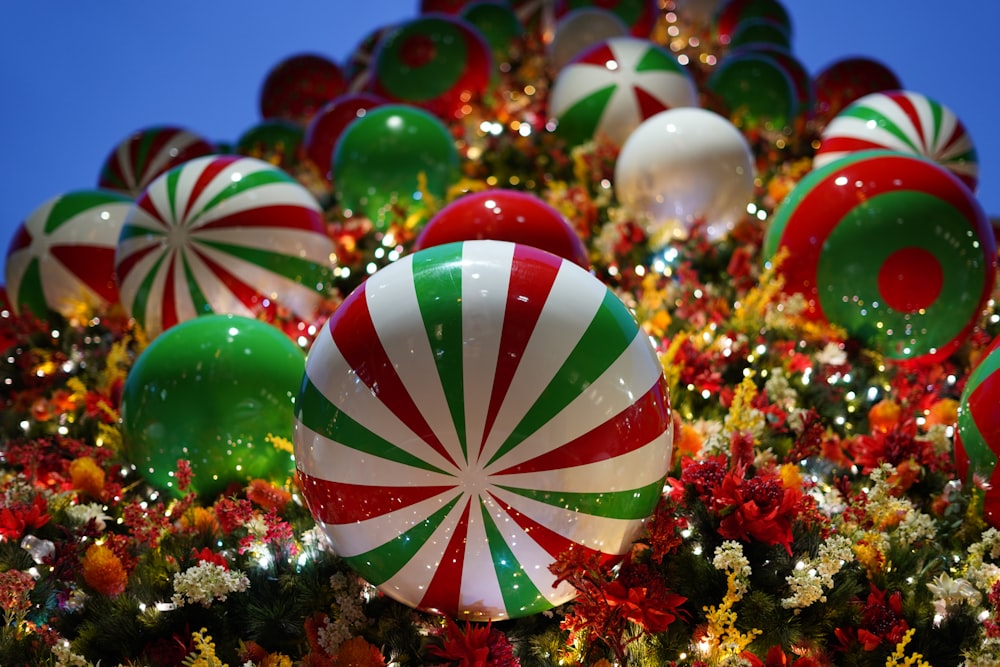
[[812, 515]]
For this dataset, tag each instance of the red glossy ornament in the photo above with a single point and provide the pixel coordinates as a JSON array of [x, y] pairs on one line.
[[330, 122], [849, 79], [504, 215], [298, 86]]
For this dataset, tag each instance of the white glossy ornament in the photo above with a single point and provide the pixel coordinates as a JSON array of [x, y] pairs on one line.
[[682, 166]]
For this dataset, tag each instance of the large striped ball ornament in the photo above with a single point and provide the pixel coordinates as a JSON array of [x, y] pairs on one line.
[[215, 391], [222, 234], [682, 167], [62, 256], [610, 88], [901, 121], [977, 439], [504, 215], [147, 153], [891, 247], [471, 412], [438, 62]]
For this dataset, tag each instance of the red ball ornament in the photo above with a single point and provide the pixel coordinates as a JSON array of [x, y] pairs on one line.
[[849, 79], [298, 86], [437, 62], [330, 122], [977, 438], [504, 215], [443, 6]]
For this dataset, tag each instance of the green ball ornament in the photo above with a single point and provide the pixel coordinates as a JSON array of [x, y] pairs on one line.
[[393, 162], [212, 390]]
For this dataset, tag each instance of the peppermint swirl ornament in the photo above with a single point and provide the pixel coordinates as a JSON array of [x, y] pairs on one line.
[[469, 413], [612, 87], [901, 121], [891, 247], [62, 256], [147, 153], [222, 234]]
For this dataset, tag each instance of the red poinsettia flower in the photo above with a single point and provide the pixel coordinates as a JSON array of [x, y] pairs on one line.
[[652, 608], [478, 646], [881, 621], [776, 657], [16, 520], [759, 508], [206, 555]]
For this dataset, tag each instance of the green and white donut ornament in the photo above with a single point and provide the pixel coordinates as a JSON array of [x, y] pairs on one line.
[[63, 255], [469, 413], [901, 121], [222, 234], [612, 87], [891, 247]]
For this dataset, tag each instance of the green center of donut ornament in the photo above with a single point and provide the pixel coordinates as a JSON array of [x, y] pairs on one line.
[[469, 413], [891, 247]]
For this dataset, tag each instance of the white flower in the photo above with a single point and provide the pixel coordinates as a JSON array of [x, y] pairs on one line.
[[812, 576], [65, 656], [79, 515], [207, 582], [952, 592], [832, 355]]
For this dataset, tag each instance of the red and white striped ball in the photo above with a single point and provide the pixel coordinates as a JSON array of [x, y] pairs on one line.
[[222, 234], [905, 122], [147, 153], [469, 413], [62, 256]]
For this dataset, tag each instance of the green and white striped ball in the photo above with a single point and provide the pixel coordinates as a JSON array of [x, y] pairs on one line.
[[471, 412]]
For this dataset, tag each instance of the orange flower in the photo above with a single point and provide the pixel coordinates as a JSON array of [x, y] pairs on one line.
[[267, 495], [200, 520], [87, 476], [943, 412], [356, 652], [884, 415], [103, 570], [687, 442]]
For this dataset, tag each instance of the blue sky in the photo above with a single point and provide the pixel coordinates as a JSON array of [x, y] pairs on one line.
[[77, 77]]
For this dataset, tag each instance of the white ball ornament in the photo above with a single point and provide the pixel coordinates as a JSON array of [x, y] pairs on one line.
[[683, 166], [581, 29]]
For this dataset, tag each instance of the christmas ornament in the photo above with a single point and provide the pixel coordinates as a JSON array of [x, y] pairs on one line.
[[845, 80], [499, 26], [755, 91], [276, 141], [891, 247], [757, 33], [387, 163], [683, 166], [977, 438], [639, 16], [504, 215], [212, 391], [298, 86], [731, 13], [357, 68], [901, 121], [147, 153], [609, 89], [469, 413], [62, 256], [580, 30], [330, 122], [222, 234], [437, 62]]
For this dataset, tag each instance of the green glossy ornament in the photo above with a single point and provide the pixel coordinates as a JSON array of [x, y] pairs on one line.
[[211, 390], [756, 91], [386, 163]]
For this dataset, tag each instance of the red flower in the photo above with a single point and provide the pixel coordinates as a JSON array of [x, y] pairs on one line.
[[653, 608], [206, 555], [759, 508], [18, 519], [478, 646], [881, 621]]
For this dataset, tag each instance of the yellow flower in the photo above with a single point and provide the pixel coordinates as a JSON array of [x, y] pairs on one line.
[[87, 476]]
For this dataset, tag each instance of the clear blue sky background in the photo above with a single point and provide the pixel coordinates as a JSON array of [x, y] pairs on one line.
[[77, 77]]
